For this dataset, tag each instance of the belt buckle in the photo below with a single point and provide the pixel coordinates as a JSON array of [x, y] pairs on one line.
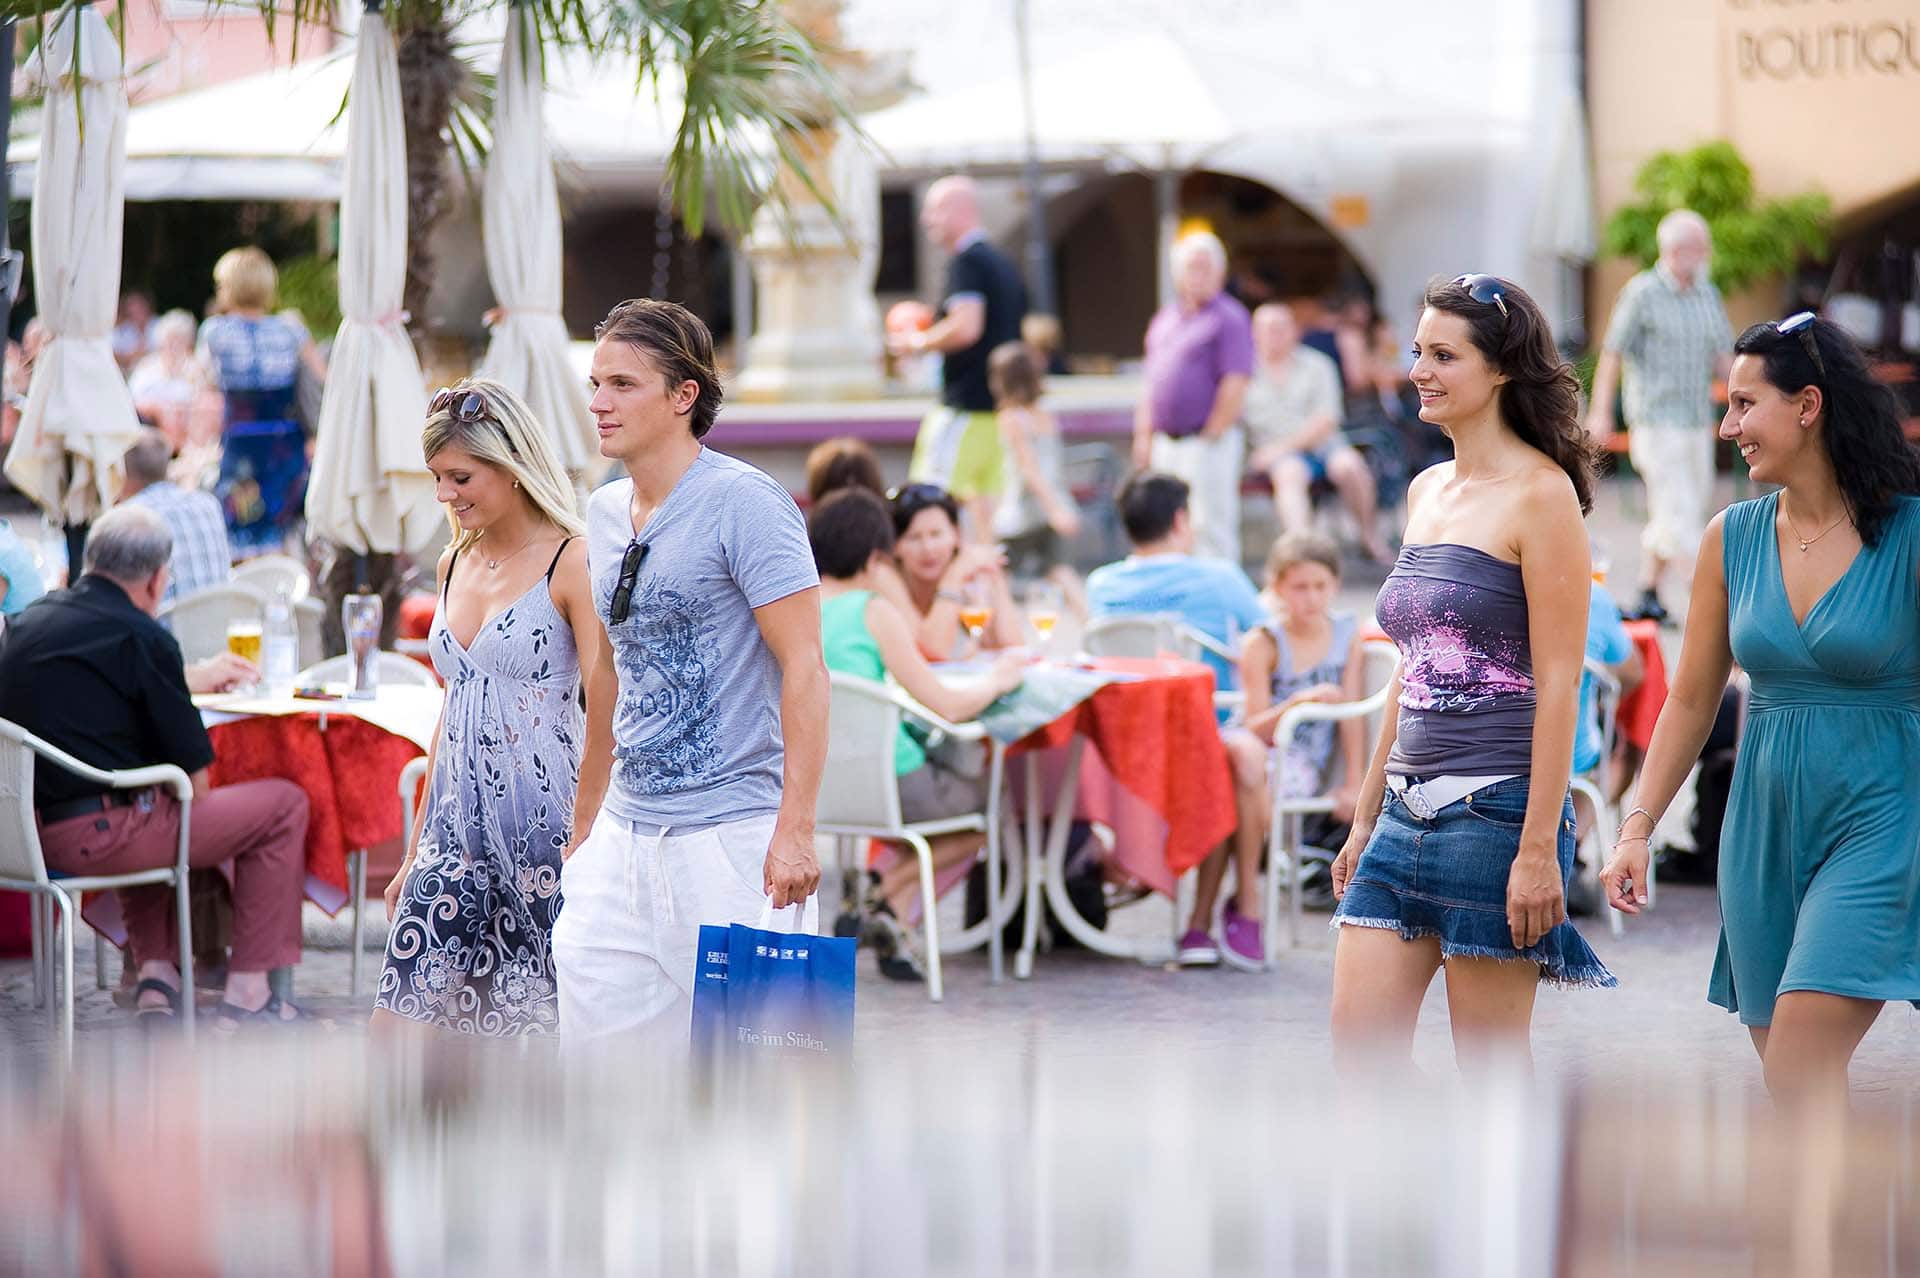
[[1415, 797]]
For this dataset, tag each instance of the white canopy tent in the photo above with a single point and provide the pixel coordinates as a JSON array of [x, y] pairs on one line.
[[79, 420], [281, 134]]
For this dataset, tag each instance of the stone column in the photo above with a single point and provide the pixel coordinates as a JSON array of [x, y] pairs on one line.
[[817, 331]]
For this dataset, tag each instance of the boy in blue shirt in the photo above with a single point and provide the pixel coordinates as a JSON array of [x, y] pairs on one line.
[[1163, 575]]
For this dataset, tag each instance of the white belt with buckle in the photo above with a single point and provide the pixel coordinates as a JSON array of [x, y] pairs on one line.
[[1427, 798]]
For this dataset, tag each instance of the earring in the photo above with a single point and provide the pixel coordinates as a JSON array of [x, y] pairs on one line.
[[516, 483]]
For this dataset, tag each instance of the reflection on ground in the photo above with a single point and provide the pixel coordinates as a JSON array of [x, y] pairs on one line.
[[337, 1156]]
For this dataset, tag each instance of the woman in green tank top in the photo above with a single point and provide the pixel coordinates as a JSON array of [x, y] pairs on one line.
[[863, 633]]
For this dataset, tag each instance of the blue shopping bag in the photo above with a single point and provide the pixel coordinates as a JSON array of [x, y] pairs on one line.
[[761, 993]]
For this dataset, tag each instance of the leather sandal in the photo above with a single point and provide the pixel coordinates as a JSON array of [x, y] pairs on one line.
[[149, 1016], [230, 1018]]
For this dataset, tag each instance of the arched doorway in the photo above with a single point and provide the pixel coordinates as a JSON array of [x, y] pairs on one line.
[[1104, 231]]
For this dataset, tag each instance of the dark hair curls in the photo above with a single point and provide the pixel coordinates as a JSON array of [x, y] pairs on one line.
[[1872, 461], [1541, 399]]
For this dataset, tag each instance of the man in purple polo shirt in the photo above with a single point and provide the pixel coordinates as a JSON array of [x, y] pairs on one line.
[[1199, 360]]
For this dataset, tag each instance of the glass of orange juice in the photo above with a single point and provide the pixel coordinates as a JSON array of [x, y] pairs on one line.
[[243, 640], [976, 608]]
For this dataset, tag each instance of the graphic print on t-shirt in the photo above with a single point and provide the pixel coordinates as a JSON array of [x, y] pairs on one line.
[[663, 720], [1457, 654]]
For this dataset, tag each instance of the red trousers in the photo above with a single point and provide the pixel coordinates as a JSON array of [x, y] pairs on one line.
[[261, 826]]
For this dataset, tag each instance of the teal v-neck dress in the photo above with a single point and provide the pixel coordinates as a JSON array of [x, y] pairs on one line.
[[1820, 855]]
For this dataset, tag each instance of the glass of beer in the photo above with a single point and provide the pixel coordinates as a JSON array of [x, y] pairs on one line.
[[976, 608], [1043, 609], [243, 640]]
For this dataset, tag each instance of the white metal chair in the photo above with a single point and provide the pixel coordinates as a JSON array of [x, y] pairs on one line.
[[56, 899], [268, 573], [390, 667], [308, 616], [199, 621], [1378, 662], [860, 798], [1595, 785], [1150, 634], [411, 778]]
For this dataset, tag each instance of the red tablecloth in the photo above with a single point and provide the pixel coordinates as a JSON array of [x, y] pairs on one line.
[[416, 615], [1640, 709], [350, 772], [1158, 738]]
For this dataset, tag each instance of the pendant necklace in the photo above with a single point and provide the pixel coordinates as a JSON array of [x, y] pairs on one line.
[[1808, 541]]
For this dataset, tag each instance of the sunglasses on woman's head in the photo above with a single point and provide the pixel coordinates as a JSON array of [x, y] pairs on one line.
[[1486, 290], [622, 602], [1802, 326], [467, 405], [922, 494]]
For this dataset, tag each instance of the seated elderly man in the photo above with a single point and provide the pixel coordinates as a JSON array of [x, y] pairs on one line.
[[1293, 413], [201, 556], [90, 670]]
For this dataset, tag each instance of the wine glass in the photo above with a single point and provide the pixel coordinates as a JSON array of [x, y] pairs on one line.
[[976, 608], [1043, 609]]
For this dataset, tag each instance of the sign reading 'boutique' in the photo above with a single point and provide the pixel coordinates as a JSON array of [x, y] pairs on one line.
[[1824, 39]]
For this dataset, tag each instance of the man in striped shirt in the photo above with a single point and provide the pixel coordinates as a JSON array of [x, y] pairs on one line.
[[201, 557], [1670, 335]]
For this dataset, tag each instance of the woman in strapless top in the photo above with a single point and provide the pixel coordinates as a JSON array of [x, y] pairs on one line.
[[1463, 837]]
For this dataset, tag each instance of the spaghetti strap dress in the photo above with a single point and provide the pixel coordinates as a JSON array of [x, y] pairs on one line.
[[471, 948], [1820, 854]]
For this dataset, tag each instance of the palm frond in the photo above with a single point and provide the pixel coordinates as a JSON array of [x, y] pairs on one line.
[[752, 84]]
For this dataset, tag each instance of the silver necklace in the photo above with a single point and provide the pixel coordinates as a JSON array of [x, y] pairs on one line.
[[493, 565]]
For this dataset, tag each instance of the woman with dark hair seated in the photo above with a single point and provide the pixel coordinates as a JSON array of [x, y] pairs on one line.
[[864, 634], [944, 575], [1815, 591]]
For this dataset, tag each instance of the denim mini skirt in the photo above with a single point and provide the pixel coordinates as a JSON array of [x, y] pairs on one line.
[[1446, 877]]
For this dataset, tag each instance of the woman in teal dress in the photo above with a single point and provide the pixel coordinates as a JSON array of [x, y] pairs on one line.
[[1815, 591]]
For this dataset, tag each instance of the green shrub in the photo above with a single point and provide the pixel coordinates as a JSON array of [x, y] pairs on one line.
[[1753, 239]]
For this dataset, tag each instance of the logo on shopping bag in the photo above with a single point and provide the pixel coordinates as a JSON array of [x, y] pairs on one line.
[[775, 1041]]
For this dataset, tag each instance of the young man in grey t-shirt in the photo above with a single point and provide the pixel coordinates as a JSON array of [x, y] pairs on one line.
[[703, 576]]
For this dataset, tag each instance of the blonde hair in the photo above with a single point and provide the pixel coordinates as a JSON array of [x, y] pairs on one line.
[[244, 279], [507, 436], [1304, 547]]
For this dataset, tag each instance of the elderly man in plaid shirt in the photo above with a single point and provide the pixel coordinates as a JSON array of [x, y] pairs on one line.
[[201, 557], [1670, 332]]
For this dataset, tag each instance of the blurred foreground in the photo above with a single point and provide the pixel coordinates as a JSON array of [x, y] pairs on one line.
[[330, 1155]]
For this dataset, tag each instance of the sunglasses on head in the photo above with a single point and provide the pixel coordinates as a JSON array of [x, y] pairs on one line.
[[917, 494], [1801, 325], [466, 405], [1486, 290], [622, 602]]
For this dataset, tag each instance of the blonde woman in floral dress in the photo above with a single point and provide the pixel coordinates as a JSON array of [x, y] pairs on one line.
[[473, 906]]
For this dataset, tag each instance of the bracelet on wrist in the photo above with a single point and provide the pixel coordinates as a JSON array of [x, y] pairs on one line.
[[1620, 832], [951, 596]]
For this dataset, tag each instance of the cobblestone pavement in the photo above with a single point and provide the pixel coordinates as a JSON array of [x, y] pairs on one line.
[[1080, 1005]]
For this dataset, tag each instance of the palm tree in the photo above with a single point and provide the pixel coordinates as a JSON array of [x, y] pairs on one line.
[[747, 76]]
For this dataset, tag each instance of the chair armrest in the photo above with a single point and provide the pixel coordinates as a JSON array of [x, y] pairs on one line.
[[913, 709], [160, 774], [1320, 712], [1206, 642], [166, 775]]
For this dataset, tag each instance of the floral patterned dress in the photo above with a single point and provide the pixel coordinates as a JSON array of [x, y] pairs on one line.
[[471, 943]]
